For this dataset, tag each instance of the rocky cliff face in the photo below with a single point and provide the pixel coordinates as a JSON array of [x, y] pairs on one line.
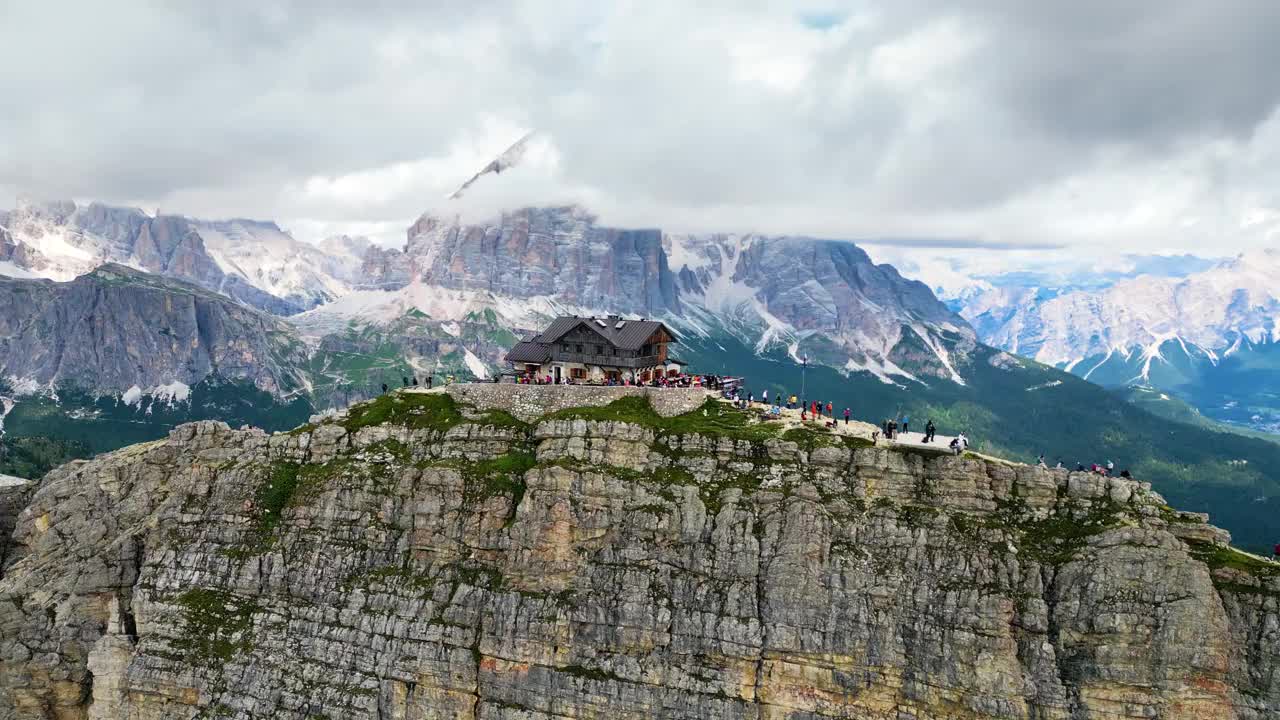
[[116, 328], [383, 269], [1212, 310], [14, 494], [828, 298], [419, 558], [558, 252], [254, 262], [821, 298]]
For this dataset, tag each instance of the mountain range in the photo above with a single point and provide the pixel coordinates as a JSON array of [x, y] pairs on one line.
[[1208, 337], [125, 324]]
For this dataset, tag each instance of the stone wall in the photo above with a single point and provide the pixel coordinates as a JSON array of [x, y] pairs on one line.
[[530, 402]]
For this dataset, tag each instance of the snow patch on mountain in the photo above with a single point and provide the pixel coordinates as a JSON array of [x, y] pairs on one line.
[[6, 407], [23, 385], [475, 365], [685, 252], [61, 241], [884, 370], [132, 396], [174, 392], [8, 269], [1211, 310], [272, 260]]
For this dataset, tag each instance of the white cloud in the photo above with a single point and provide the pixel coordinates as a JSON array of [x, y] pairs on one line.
[[1007, 123]]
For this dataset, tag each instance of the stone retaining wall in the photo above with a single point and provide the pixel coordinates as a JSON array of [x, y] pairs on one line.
[[530, 402]]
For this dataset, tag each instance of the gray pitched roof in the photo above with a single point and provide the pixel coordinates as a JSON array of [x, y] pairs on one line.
[[630, 336], [529, 352]]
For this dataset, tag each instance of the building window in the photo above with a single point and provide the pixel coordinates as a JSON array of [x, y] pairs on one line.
[[578, 373], [579, 348], [599, 349]]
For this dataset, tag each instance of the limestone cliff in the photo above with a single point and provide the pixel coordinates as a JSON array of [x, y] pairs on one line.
[[424, 558], [117, 327]]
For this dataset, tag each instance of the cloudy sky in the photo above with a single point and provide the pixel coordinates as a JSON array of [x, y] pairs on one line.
[[1030, 128]]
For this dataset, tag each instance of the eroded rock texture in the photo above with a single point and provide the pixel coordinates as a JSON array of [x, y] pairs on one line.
[[440, 562]]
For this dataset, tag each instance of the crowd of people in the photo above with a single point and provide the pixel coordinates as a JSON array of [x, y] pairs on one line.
[[711, 382], [412, 381], [810, 410], [826, 413], [1106, 469]]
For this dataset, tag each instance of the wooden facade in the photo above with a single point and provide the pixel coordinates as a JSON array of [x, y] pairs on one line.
[[598, 349]]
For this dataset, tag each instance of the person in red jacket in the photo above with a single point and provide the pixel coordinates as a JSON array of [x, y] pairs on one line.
[[813, 408], [1276, 549], [829, 413]]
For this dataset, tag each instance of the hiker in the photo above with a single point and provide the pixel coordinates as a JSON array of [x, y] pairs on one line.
[[791, 403], [955, 445], [429, 379], [893, 429], [404, 380], [1276, 551], [906, 423], [929, 431], [1111, 467], [804, 414], [764, 397], [1079, 467], [415, 381], [846, 416], [384, 388], [815, 408], [1059, 466], [964, 442], [830, 414], [1041, 462], [1125, 473]]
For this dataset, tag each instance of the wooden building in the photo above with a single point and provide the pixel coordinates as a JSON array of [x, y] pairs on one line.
[[596, 350]]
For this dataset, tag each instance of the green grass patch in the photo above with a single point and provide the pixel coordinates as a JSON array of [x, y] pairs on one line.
[[484, 479], [216, 626], [714, 418], [275, 494], [1219, 557], [480, 576], [502, 419], [1060, 537], [589, 673], [1223, 556], [665, 476], [812, 438], [393, 576], [419, 411], [503, 475]]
